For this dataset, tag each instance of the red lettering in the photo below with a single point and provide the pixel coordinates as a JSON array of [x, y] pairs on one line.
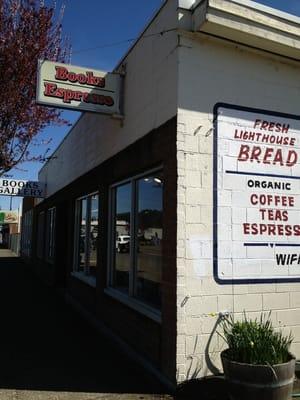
[[256, 151], [262, 211], [270, 199], [285, 128], [277, 199], [72, 77], [81, 78], [244, 153], [257, 122], [288, 230], [280, 230], [271, 126], [268, 154], [284, 215], [254, 229], [236, 136], [278, 157], [263, 228], [253, 199], [49, 89], [270, 215], [246, 227], [291, 201], [292, 158], [61, 73], [297, 230]]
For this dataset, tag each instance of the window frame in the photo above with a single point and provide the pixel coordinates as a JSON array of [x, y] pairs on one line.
[[90, 280], [40, 242], [128, 299], [50, 234], [26, 233]]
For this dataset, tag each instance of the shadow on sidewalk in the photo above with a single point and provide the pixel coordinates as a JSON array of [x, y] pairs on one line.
[[45, 345]]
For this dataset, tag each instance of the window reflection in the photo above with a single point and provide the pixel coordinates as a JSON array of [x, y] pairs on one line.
[[149, 235], [122, 237], [40, 235], [93, 235], [87, 235], [50, 234], [137, 234], [82, 235]]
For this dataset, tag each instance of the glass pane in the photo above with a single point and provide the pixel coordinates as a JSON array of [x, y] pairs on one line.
[[82, 235], [93, 234], [122, 237], [40, 235], [48, 234], [149, 239], [52, 233]]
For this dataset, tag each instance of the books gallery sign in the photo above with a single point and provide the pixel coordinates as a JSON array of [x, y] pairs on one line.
[[14, 187], [77, 88], [256, 195]]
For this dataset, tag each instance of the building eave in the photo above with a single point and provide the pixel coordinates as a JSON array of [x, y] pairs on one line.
[[249, 24]]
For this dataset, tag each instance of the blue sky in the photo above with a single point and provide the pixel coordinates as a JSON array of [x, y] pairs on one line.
[[102, 24], [290, 6]]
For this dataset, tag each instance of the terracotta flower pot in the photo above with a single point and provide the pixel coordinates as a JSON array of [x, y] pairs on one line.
[[258, 382]]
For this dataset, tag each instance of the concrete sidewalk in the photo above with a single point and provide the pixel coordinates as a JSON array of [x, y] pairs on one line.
[[48, 352], [6, 253], [46, 395]]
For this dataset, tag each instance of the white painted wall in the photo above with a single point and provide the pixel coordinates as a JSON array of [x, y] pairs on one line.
[[212, 71], [162, 80], [150, 100]]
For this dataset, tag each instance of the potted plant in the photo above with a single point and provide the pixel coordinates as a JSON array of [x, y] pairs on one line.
[[257, 363]]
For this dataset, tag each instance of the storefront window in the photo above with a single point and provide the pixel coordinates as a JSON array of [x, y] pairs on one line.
[[86, 237], [136, 240], [40, 235], [50, 234], [26, 233], [149, 239], [82, 235], [93, 234], [121, 240]]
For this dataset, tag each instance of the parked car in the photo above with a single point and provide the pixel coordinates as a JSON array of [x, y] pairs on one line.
[[123, 244]]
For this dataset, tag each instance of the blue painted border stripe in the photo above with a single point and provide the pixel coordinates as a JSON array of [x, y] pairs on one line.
[[256, 244], [261, 174], [287, 245], [272, 244]]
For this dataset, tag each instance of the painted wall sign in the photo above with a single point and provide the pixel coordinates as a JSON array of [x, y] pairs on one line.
[[13, 187], [81, 89], [256, 195]]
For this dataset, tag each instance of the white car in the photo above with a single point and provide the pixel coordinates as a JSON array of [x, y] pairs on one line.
[[123, 244]]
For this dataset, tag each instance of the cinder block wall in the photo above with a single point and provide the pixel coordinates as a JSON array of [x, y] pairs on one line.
[[212, 71]]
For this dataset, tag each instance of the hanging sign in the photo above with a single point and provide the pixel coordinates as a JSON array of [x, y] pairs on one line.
[[8, 217], [77, 88], [256, 195], [13, 187]]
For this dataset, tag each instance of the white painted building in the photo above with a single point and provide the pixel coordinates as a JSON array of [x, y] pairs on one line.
[[201, 75]]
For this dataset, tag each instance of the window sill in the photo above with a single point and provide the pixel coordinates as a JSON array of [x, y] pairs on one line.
[[134, 304], [89, 280]]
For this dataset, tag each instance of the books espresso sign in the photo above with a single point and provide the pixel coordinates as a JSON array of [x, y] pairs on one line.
[[256, 195], [82, 89]]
